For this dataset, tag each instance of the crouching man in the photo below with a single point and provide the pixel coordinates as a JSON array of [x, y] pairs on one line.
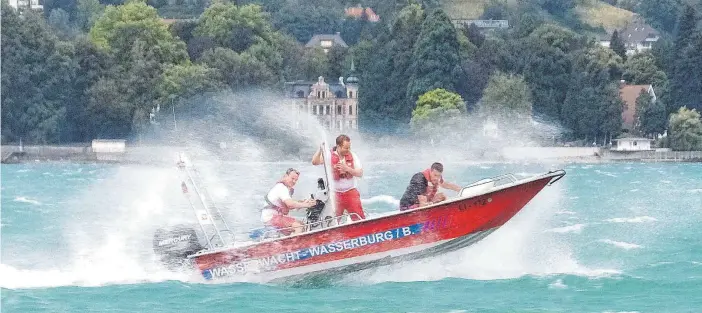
[[424, 186]]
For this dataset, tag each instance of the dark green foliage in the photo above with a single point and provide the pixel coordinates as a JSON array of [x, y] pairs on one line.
[[435, 57], [617, 45]]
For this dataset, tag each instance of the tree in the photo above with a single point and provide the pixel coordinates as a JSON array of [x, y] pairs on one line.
[[88, 11], [404, 33], [238, 70], [592, 107], [36, 79], [650, 118], [684, 36], [685, 130], [617, 45], [303, 19], [235, 27], [660, 14], [186, 81], [641, 69], [435, 59], [119, 28], [436, 108], [505, 96]]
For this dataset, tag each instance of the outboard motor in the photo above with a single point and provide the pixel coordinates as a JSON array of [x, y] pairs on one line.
[[173, 245]]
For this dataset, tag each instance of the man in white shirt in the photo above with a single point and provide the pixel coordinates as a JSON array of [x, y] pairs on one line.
[[279, 203], [346, 167]]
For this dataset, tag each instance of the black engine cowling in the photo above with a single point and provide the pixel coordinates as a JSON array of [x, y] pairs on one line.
[[174, 244]]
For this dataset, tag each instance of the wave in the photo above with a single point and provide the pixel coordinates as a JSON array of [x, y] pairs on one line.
[[638, 219], [27, 200], [621, 244], [577, 228], [695, 190], [381, 199]]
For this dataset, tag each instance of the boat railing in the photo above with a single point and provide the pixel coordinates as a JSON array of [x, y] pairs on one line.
[[268, 232], [486, 184]]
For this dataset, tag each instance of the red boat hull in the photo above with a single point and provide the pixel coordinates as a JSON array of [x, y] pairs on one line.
[[405, 235]]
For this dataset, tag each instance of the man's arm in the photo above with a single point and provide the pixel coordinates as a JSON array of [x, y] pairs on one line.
[[451, 186], [294, 204], [317, 157]]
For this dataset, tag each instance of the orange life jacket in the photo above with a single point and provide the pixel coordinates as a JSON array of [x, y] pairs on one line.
[[431, 188], [335, 158]]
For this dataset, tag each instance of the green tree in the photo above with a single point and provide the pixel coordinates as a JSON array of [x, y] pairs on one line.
[[685, 130], [650, 118], [119, 28], [303, 19], [88, 11], [235, 27], [404, 34], [36, 79], [641, 69], [435, 109], [506, 95], [186, 81], [238, 70], [617, 45], [684, 37], [660, 14], [435, 59], [592, 107]]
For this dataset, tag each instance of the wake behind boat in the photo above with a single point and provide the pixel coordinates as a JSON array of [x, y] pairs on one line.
[[337, 245]]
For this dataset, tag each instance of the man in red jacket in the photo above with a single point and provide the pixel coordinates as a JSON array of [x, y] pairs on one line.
[[346, 166]]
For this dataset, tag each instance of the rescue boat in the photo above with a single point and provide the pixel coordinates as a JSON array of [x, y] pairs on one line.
[[333, 245]]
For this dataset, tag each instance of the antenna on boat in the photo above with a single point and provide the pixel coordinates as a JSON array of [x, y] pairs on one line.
[[327, 169]]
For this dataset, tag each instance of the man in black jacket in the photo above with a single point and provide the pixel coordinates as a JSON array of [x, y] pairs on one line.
[[423, 187]]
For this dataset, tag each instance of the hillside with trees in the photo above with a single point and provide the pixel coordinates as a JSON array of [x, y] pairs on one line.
[[85, 69]]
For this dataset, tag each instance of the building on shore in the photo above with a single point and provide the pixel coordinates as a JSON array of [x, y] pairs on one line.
[[636, 35], [335, 105], [632, 144], [326, 41]]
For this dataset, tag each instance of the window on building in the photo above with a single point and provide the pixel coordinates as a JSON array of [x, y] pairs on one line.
[[338, 110], [338, 125], [350, 110], [326, 43], [324, 94], [328, 110], [319, 94], [350, 94], [300, 94]]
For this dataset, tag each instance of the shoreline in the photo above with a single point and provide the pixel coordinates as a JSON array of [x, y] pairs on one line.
[[166, 155]]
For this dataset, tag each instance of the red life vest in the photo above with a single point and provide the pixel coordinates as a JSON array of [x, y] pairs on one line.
[[348, 158], [431, 188], [284, 210]]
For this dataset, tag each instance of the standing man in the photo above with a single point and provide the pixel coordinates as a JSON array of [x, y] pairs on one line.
[[279, 203], [346, 166], [424, 186]]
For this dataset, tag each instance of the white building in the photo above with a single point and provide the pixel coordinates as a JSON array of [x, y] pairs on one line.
[[632, 144], [35, 4]]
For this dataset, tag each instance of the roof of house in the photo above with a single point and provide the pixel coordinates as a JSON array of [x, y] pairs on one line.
[[638, 31], [628, 94], [359, 12], [336, 38], [632, 139]]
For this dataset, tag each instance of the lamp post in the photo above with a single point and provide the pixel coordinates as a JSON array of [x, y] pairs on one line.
[[175, 126]]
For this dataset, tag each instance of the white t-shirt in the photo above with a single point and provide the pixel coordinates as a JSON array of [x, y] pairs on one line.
[[346, 184], [277, 195]]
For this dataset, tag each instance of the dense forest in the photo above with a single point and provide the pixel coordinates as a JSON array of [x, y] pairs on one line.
[[85, 69]]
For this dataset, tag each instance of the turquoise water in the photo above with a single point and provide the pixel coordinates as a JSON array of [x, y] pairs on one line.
[[622, 237]]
